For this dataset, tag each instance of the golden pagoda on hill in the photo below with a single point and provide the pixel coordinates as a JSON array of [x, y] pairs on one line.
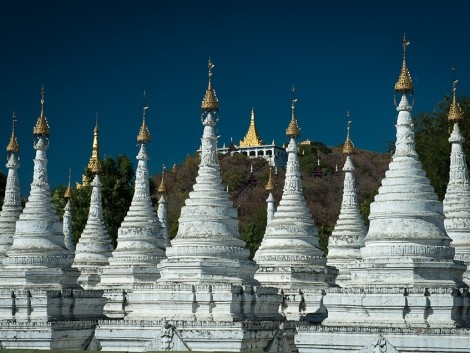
[[253, 146]]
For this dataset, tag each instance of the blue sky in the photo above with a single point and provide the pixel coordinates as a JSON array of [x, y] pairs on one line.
[[99, 56]]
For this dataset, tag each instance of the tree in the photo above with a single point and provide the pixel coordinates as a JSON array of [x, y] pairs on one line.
[[310, 154]]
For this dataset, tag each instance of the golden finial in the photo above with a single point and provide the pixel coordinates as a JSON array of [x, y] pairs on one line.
[[210, 102], [404, 84], [42, 127], [68, 192], [270, 183], [455, 112], [95, 164], [348, 147], [144, 134], [293, 129], [252, 137], [162, 188], [13, 145]]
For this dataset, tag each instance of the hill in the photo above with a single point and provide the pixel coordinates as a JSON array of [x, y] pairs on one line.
[[323, 193]]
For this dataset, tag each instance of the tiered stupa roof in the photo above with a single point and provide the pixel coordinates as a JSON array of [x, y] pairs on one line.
[[38, 255], [347, 238], [140, 242], [289, 255], [252, 137], [406, 245], [457, 198], [12, 207], [94, 246]]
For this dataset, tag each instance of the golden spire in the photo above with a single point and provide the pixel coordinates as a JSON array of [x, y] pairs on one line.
[[293, 129], [348, 147], [68, 192], [162, 188], [455, 112], [13, 145], [270, 183], [404, 84], [210, 102], [144, 134], [95, 164], [42, 127], [252, 137]]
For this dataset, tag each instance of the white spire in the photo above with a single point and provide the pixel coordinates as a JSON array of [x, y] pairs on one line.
[[39, 207], [456, 201], [67, 221], [12, 207], [163, 217], [94, 246], [271, 207], [347, 237], [140, 240], [48, 242]]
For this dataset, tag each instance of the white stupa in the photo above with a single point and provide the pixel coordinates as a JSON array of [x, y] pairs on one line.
[[68, 218], [140, 242], [12, 207], [289, 256], [457, 198], [347, 238], [38, 256], [207, 248], [407, 254], [94, 246], [162, 211], [270, 201]]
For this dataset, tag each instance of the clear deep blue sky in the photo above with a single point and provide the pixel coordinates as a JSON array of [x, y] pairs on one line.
[[99, 56]]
